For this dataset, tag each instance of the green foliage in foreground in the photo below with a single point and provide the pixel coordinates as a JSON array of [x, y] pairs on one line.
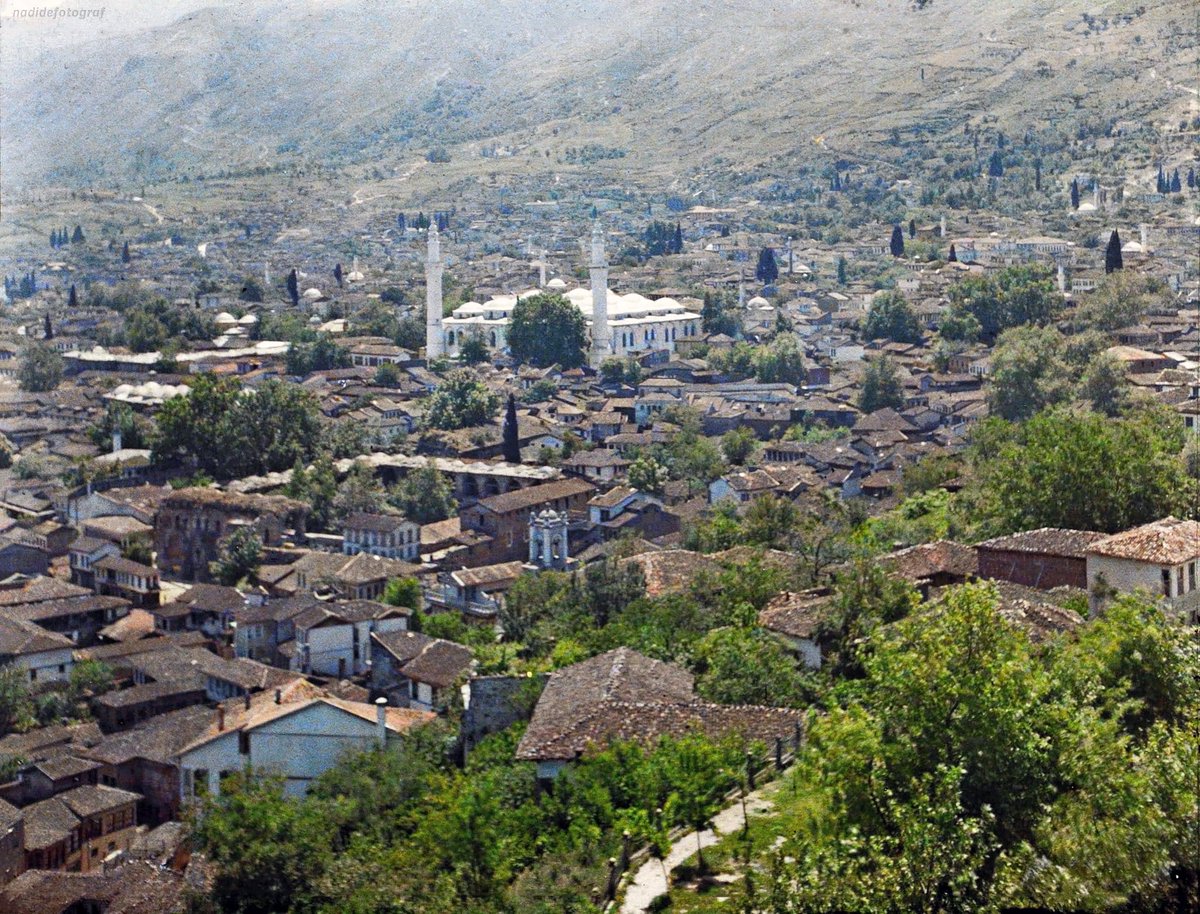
[[971, 771], [403, 831]]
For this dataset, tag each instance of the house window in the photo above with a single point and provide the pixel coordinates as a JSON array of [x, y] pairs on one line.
[[1192, 576], [1166, 581]]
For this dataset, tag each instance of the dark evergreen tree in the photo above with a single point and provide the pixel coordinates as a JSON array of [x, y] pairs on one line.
[[293, 287], [678, 244], [996, 165], [767, 270], [125, 258], [1160, 183], [952, 257], [897, 243], [912, 228], [595, 212], [53, 238], [1191, 179], [72, 297], [1037, 174], [47, 328], [337, 274], [402, 222], [1176, 186], [1074, 193], [841, 271], [512, 438], [77, 237], [1112, 254]]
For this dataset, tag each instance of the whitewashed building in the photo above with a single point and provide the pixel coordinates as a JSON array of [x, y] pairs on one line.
[[1161, 559]]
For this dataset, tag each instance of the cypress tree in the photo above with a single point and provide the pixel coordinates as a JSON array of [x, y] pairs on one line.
[[402, 221], [53, 238], [1159, 182], [897, 243], [1176, 187], [77, 237], [337, 274], [767, 270], [841, 271], [996, 165], [72, 298], [125, 258], [678, 241], [47, 328], [1037, 174], [912, 228], [293, 287], [1191, 182], [1112, 254], [1074, 193], [512, 440], [953, 255]]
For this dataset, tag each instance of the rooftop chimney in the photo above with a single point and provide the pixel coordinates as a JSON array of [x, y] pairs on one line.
[[381, 720], [247, 701], [279, 696], [116, 440]]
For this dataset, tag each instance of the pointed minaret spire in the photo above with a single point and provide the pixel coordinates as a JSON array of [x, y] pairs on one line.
[[434, 341], [601, 342], [542, 271]]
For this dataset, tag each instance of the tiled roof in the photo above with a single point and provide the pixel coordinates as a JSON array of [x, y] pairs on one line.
[[1046, 541], [133, 888], [439, 664], [928, 559], [18, 637], [528, 498], [1169, 541], [624, 695], [797, 615], [671, 569]]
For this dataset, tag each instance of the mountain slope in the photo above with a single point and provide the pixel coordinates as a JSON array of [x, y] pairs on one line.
[[680, 86]]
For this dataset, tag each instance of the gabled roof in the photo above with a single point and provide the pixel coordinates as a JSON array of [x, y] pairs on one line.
[[1046, 541], [529, 498], [1169, 541]]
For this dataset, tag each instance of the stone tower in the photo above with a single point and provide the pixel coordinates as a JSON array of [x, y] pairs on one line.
[[601, 341], [548, 545], [434, 346]]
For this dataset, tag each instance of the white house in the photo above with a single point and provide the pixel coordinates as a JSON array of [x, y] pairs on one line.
[[297, 736], [386, 535], [43, 656], [1161, 559], [334, 639]]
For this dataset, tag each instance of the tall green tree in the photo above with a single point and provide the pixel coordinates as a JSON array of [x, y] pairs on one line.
[[1112, 253], [548, 330], [41, 368], [881, 386], [891, 317], [1028, 372], [767, 269], [461, 400], [511, 432], [239, 556], [1106, 474], [896, 245], [424, 496]]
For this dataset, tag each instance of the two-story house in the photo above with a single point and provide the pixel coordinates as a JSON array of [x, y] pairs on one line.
[[334, 639], [1161, 559], [386, 535]]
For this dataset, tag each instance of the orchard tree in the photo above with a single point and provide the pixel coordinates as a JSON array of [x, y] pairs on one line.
[[239, 557], [891, 317], [461, 400], [881, 386], [41, 368], [547, 330]]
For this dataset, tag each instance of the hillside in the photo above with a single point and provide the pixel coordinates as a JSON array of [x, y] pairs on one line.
[[676, 87]]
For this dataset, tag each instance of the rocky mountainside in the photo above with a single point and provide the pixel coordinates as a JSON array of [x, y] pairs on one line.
[[671, 87]]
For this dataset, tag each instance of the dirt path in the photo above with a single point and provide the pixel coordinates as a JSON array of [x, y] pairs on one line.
[[649, 882]]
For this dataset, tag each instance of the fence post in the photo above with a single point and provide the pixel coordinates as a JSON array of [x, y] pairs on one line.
[[610, 890], [750, 768], [626, 839], [797, 737], [779, 753]]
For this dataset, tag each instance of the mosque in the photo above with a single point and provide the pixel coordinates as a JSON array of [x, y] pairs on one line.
[[618, 325]]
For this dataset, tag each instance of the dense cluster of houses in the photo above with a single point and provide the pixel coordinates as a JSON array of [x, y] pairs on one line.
[[306, 659]]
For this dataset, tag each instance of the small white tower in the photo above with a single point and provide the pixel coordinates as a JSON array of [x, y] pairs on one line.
[[434, 346], [601, 340], [266, 274], [1062, 279], [942, 228], [542, 271], [548, 545]]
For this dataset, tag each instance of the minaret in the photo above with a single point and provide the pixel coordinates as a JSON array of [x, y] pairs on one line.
[[542, 271], [601, 346], [434, 346]]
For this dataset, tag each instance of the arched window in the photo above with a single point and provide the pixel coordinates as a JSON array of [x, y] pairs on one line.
[[493, 337]]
